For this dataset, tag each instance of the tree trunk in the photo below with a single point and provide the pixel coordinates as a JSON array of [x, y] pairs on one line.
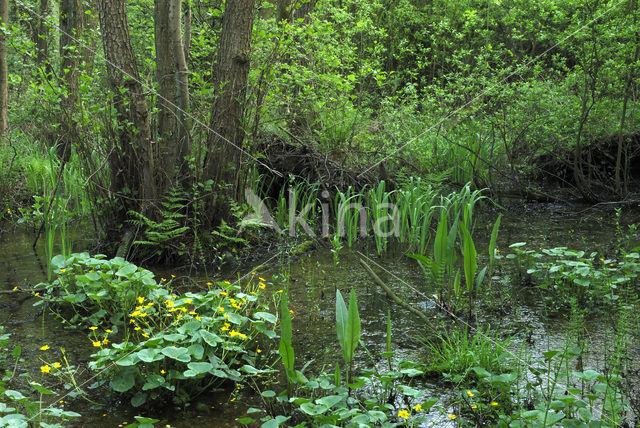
[[224, 141], [173, 99], [131, 161], [182, 82], [187, 33], [71, 24], [4, 70]]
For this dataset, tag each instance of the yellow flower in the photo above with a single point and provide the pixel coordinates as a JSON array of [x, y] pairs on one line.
[[475, 406], [227, 282], [173, 276], [261, 279], [280, 291], [417, 408], [93, 328], [132, 321], [162, 279], [470, 394], [493, 403], [145, 335], [140, 299], [169, 303], [137, 328], [44, 347], [258, 350], [108, 331], [187, 301], [162, 371], [37, 294], [226, 327], [198, 317], [291, 311], [193, 313], [209, 283], [233, 333], [63, 270], [105, 341], [57, 365], [220, 308], [262, 286], [403, 414], [96, 344], [15, 288], [45, 369], [224, 293], [452, 416], [226, 316]]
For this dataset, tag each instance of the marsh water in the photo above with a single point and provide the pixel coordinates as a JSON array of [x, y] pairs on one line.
[[314, 277]]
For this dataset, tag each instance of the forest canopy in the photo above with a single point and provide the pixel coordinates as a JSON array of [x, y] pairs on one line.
[[192, 102]]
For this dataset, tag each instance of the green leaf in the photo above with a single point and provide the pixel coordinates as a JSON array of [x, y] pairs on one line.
[[200, 367], [330, 400], [179, 354], [41, 389], [313, 409], [211, 339], [123, 381], [149, 355], [352, 328], [266, 316], [341, 322], [139, 399], [286, 334], [14, 395], [127, 270]]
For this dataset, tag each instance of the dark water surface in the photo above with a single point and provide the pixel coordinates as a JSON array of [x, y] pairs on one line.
[[314, 279]]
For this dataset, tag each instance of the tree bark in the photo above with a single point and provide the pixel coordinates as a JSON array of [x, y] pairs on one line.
[[4, 69], [173, 102], [224, 144], [131, 164], [182, 82], [71, 24]]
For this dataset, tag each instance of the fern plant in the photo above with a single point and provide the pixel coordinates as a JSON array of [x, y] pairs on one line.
[[166, 236]]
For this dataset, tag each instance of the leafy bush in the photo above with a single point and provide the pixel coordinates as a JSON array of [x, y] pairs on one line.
[[187, 344], [171, 346], [96, 290]]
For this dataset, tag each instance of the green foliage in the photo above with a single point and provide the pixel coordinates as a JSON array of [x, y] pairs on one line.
[[93, 290], [286, 351], [456, 354], [165, 237], [596, 284], [544, 393], [18, 409], [367, 399], [187, 344], [347, 328]]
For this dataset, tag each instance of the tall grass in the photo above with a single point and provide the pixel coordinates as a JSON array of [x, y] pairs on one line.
[[60, 199], [351, 215]]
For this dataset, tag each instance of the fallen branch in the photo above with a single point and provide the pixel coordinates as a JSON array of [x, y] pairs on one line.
[[391, 294]]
